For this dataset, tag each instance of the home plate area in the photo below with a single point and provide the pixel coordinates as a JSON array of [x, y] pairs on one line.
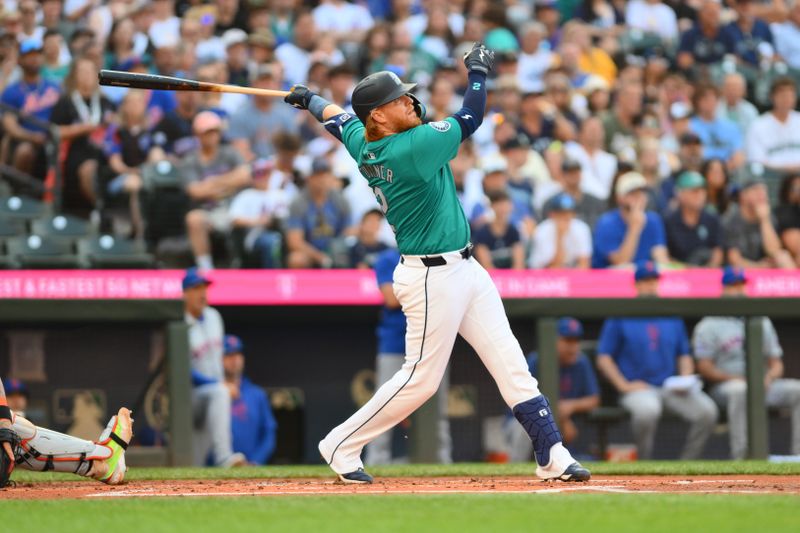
[[737, 484]]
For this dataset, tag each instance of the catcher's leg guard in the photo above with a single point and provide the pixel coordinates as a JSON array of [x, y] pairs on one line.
[[43, 450]]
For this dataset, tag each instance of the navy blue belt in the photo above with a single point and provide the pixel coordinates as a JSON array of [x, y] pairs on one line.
[[438, 260]]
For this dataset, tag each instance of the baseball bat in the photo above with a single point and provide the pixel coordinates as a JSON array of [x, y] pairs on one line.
[[118, 78]]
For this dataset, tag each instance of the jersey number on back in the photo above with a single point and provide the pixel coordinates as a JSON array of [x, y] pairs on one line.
[[382, 203]]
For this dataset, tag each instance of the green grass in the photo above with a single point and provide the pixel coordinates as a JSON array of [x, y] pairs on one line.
[[461, 513], [590, 513], [460, 469]]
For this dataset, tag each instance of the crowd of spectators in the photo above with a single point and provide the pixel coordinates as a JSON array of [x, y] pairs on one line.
[[616, 132]]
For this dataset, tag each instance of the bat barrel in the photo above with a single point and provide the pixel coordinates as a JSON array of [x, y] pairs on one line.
[[118, 78]]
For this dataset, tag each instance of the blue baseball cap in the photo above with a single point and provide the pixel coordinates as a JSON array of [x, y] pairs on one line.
[[194, 278], [646, 270], [30, 45], [233, 344], [15, 386], [570, 327], [561, 202], [733, 276]]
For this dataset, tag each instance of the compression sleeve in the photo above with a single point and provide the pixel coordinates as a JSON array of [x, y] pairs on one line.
[[470, 116]]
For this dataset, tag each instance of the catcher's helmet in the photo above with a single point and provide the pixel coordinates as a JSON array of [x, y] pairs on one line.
[[381, 88]]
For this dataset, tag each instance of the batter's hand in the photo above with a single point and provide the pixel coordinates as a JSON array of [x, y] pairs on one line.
[[299, 97], [479, 58]]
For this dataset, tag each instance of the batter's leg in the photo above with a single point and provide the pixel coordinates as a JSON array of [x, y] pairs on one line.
[[485, 327], [379, 451], [433, 300]]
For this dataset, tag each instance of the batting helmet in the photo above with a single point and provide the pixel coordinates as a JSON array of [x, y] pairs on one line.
[[381, 88]]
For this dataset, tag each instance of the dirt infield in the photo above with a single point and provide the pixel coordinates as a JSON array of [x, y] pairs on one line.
[[738, 484]]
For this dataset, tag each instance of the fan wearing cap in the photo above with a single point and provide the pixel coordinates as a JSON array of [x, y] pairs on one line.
[[719, 347], [443, 290], [213, 174], [497, 243], [252, 423], [36, 96], [751, 239], [637, 355], [578, 389], [211, 401], [318, 218], [562, 240], [694, 234], [256, 214], [629, 233], [254, 124]]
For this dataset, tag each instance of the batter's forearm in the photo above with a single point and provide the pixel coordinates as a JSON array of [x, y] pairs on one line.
[[470, 116]]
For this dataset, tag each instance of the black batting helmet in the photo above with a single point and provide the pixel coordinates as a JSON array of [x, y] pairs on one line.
[[378, 89]]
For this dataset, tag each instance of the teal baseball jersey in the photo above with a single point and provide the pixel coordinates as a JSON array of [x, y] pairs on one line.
[[410, 174]]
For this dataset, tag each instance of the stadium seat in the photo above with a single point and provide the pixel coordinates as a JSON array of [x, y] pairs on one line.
[[9, 229], [23, 208], [62, 226], [41, 251], [113, 252]]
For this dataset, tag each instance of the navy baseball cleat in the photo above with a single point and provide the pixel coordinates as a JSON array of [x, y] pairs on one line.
[[359, 476], [574, 472]]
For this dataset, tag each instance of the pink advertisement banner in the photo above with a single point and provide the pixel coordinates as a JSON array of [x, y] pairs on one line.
[[357, 287]]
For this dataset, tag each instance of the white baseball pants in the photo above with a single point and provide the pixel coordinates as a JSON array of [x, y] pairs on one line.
[[439, 302], [379, 451]]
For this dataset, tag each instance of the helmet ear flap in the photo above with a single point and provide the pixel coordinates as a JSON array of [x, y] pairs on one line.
[[419, 107]]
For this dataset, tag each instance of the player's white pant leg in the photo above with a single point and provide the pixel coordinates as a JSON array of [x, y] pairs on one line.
[[433, 300], [379, 451], [485, 327], [43, 449], [212, 411]]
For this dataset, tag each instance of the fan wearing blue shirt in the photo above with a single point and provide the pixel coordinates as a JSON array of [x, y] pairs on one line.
[[630, 233], [721, 138], [35, 96], [252, 423], [579, 392], [748, 37], [636, 355], [391, 334]]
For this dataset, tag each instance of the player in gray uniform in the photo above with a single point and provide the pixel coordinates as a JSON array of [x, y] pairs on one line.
[[211, 401], [442, 289], [719, 348]]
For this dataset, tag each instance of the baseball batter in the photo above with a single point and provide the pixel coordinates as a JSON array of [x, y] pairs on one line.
[[442, 289], [34, 448]]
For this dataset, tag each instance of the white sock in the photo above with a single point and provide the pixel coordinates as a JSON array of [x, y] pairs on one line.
[[204, 262]]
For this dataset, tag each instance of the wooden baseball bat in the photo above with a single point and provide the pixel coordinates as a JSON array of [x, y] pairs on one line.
[[118, 78]]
